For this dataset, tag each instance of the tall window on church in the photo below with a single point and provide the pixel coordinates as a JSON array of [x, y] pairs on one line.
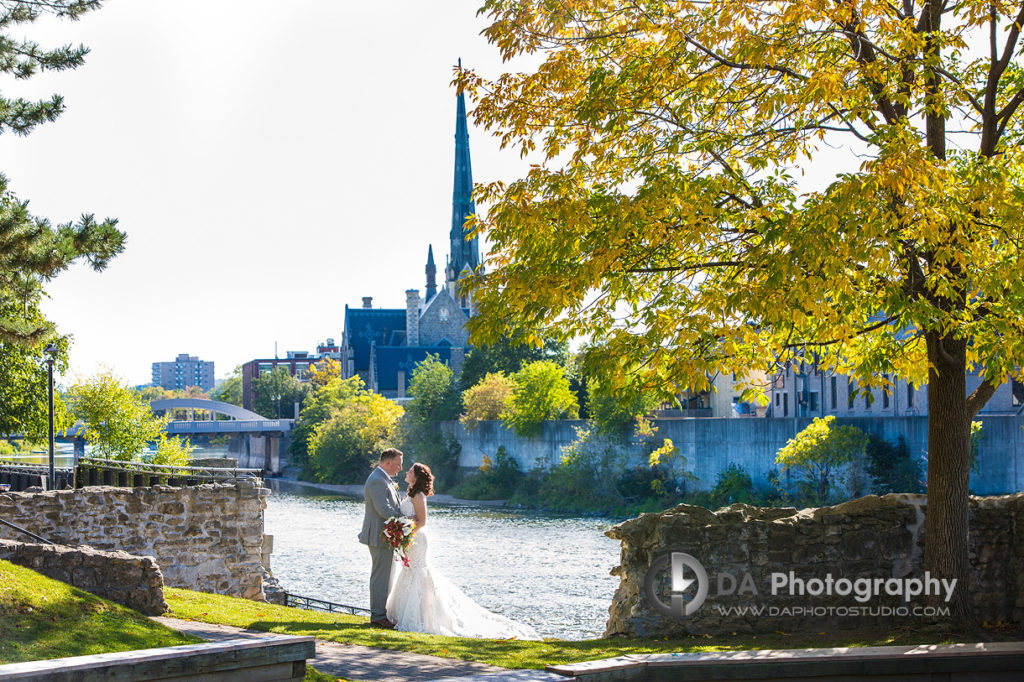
[[1018, 392], [885, 393], [851, 392], [835, 393], [910, 394]]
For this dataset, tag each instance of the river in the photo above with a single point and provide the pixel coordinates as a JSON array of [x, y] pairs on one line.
[[549, 571]]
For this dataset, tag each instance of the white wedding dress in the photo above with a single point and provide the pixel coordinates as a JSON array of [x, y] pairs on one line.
[[422, 600]]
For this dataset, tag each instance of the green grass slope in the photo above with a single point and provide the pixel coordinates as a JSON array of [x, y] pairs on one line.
[[41, 618], [211, 608]]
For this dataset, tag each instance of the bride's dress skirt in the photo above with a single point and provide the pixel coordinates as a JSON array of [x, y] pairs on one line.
[[423, 600]]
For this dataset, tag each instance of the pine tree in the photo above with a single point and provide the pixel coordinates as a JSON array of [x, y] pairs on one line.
[[31, 249]]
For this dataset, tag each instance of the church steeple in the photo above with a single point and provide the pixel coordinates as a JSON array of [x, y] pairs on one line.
[[464, 253], [431, 271]]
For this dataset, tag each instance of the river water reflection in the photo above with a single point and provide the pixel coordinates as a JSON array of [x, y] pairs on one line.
[[548, 571]]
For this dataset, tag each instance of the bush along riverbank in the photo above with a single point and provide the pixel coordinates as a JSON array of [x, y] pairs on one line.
[[824, 464]]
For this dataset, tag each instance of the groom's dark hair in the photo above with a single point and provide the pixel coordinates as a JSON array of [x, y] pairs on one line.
[[391, 453]]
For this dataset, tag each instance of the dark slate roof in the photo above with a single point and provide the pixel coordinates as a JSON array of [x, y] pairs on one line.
[[393, 359], [366, 325]]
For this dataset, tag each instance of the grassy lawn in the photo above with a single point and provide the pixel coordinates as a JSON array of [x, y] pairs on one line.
[[508, 654], [41, 618]]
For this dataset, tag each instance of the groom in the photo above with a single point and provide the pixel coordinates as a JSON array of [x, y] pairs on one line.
[[381, 496]]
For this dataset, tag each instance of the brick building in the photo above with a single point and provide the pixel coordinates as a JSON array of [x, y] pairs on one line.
[[297, 363]]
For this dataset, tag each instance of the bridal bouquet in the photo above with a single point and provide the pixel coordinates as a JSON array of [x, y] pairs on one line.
[[398, 532]]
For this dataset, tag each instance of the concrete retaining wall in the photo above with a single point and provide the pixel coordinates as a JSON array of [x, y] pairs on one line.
[[206, 538], [710, 445], [133, 581]]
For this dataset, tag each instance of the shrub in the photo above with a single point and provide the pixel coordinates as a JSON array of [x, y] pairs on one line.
[[426, 442], [342, 448], [496, 480], [120, 423], [435, 397], [614, 409], [584, 478], [487, 400], [541, 392], [638, 483], [818, 453], [892, 469], [733, 485]]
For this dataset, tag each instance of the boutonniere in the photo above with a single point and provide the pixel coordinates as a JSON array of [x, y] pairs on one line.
[[394, 484]]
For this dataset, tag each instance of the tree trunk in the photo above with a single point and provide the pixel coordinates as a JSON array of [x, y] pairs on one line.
[[949, 462]]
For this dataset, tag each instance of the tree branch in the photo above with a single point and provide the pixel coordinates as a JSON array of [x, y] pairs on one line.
[[977, 399], [866, 330]]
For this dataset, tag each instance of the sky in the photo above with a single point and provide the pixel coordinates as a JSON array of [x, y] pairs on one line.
[[270, 163]]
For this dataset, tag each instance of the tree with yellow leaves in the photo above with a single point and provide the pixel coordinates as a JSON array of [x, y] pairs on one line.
[[680, 210]]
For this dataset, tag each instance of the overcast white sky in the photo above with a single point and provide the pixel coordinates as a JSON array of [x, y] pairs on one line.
[[269, 161]]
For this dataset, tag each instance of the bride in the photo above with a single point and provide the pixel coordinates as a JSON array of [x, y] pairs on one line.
[[421, 599]]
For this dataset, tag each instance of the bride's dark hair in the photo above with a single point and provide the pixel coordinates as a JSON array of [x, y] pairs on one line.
[[424, 482]]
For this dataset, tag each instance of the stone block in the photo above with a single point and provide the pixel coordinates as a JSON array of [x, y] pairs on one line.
[[172, 524], [876, 537]]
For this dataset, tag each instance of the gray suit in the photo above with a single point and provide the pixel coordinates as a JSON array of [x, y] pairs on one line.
[[381, 499]]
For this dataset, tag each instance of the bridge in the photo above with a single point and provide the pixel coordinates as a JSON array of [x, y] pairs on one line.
[[239, 420], [255, 440]]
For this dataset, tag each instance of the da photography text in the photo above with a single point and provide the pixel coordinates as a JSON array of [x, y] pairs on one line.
[[691, 585]]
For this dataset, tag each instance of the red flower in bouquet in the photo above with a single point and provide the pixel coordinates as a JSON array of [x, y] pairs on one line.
[[397, 533]]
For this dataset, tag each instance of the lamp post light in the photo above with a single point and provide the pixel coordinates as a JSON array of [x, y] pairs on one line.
[[51, 356]]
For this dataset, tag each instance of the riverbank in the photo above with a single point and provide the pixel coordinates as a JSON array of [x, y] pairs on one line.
[[355, 492]]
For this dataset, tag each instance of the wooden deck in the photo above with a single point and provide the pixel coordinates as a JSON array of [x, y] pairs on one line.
[[274, 658], [977, 662]]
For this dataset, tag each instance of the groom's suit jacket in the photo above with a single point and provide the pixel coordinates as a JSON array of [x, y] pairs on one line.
[[381, 499]]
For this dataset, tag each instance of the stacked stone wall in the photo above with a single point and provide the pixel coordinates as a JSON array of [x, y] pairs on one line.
[[873, 538], [207, 538], [133, 581]]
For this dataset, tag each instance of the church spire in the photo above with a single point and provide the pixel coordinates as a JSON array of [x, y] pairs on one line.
[[431, 271], [464, 253]]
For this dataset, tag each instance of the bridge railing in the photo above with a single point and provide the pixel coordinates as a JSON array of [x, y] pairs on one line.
[[229, 426], [94, 471]]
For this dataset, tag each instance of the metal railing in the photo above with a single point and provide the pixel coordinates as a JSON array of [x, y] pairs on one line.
[[19, 476], [229, 426], [312, 604], [95, 471], [26, 532]]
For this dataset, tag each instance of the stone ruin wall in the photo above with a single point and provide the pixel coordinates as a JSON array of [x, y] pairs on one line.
[[207, 538], [132, 581], [871, 537]]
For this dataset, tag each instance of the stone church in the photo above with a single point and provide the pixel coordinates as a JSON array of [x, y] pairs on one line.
[[384, 345]]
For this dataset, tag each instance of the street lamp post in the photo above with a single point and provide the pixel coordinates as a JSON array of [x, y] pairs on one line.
[[51, 356]]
